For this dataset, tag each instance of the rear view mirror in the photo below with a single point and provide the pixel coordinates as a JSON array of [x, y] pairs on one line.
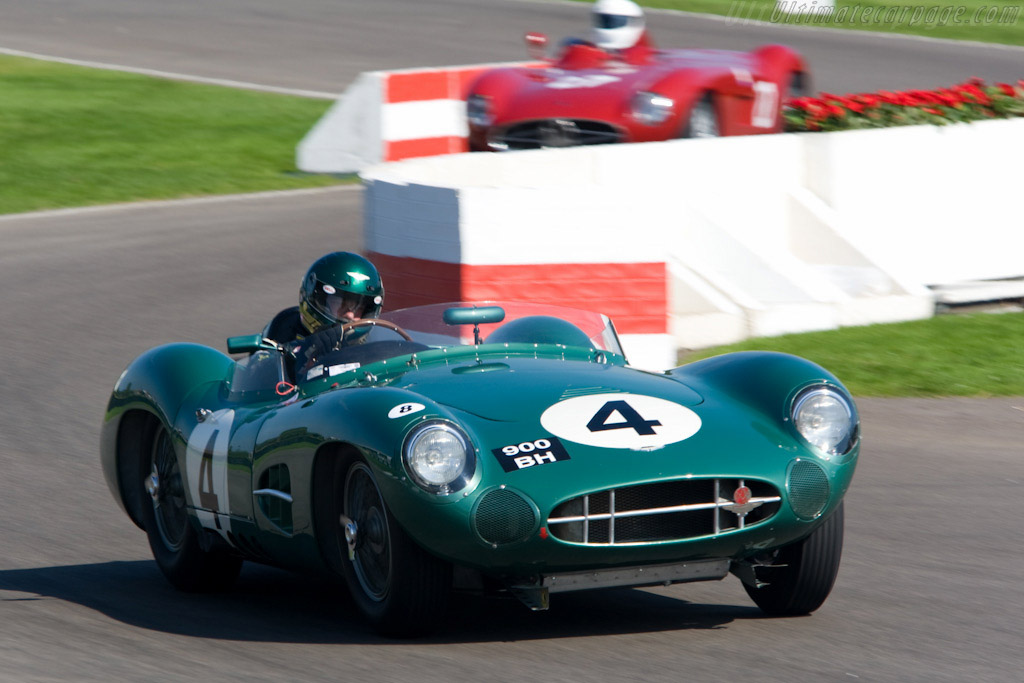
[[247, 343], [474, 316], [536, 44]]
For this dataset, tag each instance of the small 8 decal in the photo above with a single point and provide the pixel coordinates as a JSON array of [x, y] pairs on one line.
[[519, 456], [404, 409]]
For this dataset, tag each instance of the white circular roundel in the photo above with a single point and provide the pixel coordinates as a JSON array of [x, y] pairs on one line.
[[629, 421]]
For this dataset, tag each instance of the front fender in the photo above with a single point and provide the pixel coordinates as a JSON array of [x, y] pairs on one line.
[[766, 381], [155, 383]]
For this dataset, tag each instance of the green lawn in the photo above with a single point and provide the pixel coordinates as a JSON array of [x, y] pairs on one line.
[[951, 355], [994, 21], [71, 136]]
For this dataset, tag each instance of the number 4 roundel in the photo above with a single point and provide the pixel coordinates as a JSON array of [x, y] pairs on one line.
[[632, 421]]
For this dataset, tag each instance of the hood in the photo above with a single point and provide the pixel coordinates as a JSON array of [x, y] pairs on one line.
[[516, 390]]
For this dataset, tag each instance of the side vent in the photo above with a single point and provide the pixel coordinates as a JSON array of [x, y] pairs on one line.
[[274, 496]]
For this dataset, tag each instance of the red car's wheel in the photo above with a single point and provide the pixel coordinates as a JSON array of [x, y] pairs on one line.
[[702, 121]]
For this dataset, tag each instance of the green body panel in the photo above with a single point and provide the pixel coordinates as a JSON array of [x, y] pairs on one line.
[[157, 383], [497, 393]]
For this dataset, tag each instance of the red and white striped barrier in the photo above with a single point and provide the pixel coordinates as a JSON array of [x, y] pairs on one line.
[[392, 115]]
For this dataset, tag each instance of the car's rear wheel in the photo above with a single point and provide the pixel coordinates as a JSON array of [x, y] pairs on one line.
[[400, 588], [172, 538], [803, 573], [702, 121]]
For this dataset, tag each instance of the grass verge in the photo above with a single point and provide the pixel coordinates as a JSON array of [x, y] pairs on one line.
[[72, 136], [950, 355]]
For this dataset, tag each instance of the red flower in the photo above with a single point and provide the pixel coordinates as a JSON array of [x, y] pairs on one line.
[[1007, 89], [838, 112]]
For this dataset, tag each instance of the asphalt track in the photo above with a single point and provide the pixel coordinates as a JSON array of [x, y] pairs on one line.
[[930, 588]]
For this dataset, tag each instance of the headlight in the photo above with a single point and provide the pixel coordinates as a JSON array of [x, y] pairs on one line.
[[651, 108], [439, 457], [478, 110], [825, 418]]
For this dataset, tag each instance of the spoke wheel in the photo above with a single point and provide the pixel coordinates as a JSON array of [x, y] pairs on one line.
[[399, 587], [166, 493], [173, 539], [805, 571], [364, 505]]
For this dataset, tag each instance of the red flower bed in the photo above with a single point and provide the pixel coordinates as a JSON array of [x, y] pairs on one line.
[[970, 101]]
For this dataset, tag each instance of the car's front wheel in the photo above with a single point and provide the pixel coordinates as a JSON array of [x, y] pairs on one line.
[[172, 538], [400, 588], [702, 121], [801, 575]]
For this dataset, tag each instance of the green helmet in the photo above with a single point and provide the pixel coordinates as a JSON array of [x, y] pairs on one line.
[[336, 284]]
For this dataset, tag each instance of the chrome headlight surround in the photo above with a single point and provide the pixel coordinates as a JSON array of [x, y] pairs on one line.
[[478, 110], [825, 418], [439, 457], [650, 108]]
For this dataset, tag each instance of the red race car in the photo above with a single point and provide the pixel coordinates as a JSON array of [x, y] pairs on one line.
[[619, 88]]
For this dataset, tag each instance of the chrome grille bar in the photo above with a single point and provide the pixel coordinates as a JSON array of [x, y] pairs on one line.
[[717, 504], [614, 514]]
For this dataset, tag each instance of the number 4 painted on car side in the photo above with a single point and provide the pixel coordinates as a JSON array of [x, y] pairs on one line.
[[206, 464]]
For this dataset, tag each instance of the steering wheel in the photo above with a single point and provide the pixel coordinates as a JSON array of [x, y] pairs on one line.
[[375, 322]]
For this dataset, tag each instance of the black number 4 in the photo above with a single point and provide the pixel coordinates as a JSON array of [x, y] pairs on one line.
[[633, 420]]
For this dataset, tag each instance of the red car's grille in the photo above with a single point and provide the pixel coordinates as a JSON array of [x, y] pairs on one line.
[[554, 133], [665, 511]]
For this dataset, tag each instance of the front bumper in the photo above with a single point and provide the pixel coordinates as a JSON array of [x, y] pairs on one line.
[[535, 594]]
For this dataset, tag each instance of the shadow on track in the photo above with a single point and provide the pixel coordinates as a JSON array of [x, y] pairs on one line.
[[271, 605]]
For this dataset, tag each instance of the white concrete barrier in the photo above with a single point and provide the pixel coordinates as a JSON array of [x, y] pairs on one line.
[[392, 115], [691, 243]]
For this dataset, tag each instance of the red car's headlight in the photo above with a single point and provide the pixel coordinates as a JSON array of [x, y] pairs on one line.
[[651, 108]]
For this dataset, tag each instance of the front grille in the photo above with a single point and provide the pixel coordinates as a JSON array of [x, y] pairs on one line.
[[547, 133], [665, 511]]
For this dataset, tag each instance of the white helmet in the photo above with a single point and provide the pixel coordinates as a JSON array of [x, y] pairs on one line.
[[618, 24]]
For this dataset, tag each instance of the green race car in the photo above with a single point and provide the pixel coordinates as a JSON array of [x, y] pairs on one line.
[[500, 447]]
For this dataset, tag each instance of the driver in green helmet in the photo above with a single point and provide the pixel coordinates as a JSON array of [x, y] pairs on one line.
[[338, 288]]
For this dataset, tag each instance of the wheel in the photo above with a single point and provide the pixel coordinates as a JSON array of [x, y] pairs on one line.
[[375, 322], [811, 565], [702, 121], [172, 538], [400, 588], [799, 85]]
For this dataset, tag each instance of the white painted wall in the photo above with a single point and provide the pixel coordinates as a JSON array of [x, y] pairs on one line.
[[762, 235]]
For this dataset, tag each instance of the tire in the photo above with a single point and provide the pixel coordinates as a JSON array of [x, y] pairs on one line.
[[702, 121], [172, 537], [799, 85], [805, 582], [401, 589]]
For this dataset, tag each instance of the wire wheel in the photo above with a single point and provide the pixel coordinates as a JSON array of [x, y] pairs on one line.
[[166, 491], [364, 505]]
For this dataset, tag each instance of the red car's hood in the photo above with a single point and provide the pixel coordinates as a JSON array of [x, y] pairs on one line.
[[604, 91]]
